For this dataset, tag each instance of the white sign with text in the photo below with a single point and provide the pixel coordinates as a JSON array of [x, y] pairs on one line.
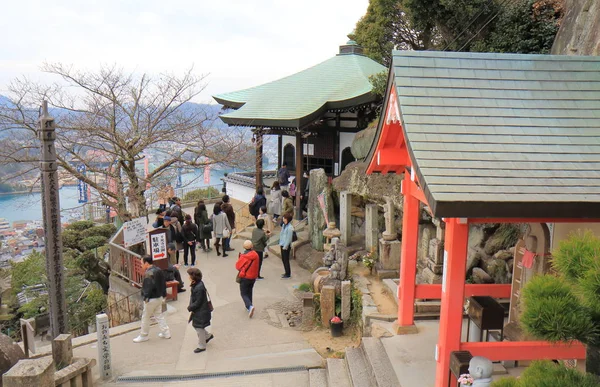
[[134, 231]]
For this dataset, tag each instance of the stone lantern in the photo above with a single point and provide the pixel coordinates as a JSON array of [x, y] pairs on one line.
[[329, 233]]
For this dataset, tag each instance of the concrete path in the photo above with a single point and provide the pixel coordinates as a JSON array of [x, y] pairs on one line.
[[240, 343]]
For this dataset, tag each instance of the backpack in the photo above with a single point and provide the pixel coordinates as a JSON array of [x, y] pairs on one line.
[[294, 236]]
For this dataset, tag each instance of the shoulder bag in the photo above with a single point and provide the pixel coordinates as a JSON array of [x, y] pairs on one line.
[[238, 279]]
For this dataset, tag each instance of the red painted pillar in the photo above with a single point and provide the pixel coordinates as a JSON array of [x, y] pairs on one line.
[[453, 290], [408, 259]]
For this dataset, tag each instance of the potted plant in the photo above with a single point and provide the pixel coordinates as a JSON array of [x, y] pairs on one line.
[[337, 326]]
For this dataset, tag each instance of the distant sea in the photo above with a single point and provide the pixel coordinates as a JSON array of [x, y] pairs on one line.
[[29, 206]]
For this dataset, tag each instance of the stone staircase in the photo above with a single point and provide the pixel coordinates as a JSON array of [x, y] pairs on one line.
[[365, 366], [301, 227]]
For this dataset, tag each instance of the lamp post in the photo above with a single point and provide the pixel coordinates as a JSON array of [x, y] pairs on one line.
[[52, 224]]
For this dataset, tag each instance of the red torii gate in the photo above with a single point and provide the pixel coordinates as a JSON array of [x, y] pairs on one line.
[[391, 155]]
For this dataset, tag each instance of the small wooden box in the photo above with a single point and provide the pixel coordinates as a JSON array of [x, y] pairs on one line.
[[486, 312], [459, 362]]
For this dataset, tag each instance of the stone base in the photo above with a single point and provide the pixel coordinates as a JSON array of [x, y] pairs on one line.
[[404, 330], [430, 277], [384, 273], [389, 254], [436, 269]]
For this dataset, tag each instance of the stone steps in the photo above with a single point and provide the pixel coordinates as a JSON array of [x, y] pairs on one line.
[[317, 377], [357, 366], [337, 373], [379, 367]]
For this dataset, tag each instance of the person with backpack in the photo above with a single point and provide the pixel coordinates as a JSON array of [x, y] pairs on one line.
[[173, 234], [221, 228], [190, 234], [248, 267], [228, 210], [260, 239], [257, 202], [285, 242], [204, 226], [283, 177]]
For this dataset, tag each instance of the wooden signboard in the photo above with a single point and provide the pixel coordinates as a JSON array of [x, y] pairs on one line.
[[517, 281], [158, 247]]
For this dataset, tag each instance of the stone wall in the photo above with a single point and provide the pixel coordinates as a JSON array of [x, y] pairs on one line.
[[579, 32]]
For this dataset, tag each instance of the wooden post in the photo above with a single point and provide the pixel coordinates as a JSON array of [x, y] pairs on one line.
[[408, 260], [453, 289], [52, 225], [299, 172], [259, 158]]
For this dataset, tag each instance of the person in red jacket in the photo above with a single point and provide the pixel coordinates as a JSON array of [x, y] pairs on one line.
[[248, 266]]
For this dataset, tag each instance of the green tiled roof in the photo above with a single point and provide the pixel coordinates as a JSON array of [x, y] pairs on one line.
[[503, 134], [293, 101]]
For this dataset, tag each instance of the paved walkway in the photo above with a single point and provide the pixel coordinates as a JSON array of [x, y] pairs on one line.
[[240, 343]]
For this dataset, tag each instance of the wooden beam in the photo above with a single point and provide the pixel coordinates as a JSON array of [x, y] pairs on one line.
[[525, 350], [434, 292], [299, 171], [453, 294], [259, 158], [533, 220], [408, 262]]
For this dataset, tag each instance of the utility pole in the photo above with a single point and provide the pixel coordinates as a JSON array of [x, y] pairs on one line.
[[52, 224]]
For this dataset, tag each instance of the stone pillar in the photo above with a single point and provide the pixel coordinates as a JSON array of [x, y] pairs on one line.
[[104, 356], [30, 372], [327, 304], [62, 351], [371, 227], [346, 299], [308, 309], [346, 216]]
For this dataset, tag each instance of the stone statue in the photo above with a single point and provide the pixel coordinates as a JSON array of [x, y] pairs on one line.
[[390, 230], [481, 370], [337, 260]]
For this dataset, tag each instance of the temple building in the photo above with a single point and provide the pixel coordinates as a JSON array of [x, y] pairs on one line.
[[315, 115], [488, 138]]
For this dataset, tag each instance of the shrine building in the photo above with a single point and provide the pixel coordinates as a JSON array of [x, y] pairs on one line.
[[487, 138], [315, 115]]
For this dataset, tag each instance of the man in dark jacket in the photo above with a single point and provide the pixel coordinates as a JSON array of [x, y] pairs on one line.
[[154, 291], [176, 210], [227, 208], [283, 176]]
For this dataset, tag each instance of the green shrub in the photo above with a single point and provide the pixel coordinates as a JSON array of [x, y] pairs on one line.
[[356, 307], [81, 225], [201, 193], [549, 374], [576, 255], [92, 242], [553, 311], [305, 287], [105, 230]]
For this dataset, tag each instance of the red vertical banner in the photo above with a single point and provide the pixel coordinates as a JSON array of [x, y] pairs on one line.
[[207, 174]]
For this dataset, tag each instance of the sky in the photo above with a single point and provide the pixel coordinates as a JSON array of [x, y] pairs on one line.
[[235, 43]]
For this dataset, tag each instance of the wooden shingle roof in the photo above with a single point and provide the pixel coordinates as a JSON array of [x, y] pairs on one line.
[[502, 135]]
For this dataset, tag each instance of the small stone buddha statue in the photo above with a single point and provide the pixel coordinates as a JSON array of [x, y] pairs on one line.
[[481, 370]]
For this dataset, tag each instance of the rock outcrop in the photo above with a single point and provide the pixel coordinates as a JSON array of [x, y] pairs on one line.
[[579, 32]]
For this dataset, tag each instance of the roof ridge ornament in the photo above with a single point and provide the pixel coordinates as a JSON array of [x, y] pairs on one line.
[[351, 48]]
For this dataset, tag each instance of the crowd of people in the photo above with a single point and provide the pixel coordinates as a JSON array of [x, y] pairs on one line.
[[191, 232]]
